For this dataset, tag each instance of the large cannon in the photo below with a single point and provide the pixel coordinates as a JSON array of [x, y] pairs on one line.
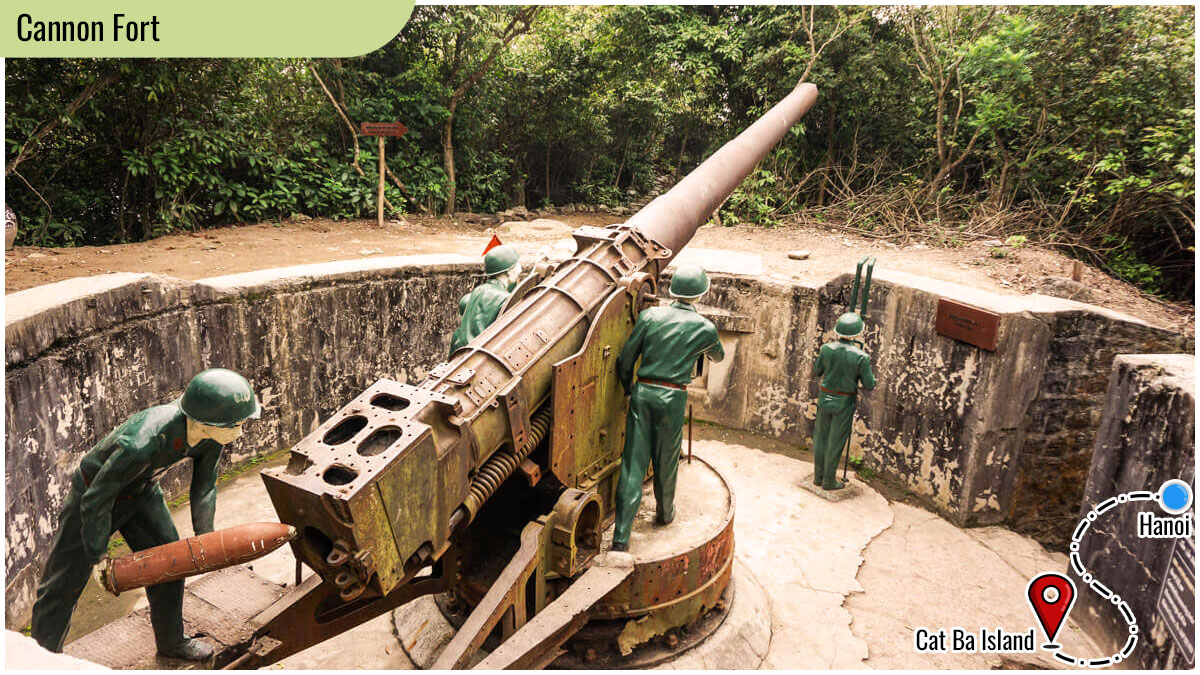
[[384, 493]]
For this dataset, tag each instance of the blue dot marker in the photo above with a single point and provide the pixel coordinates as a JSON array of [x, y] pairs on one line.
[[1175, 496]]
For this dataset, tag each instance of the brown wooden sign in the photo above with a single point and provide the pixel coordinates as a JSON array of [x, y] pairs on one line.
[[383, 129], [972, 325]]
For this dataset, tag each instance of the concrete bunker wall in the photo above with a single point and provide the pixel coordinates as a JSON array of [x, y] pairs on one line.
[[1146, 437], [985, 437], [955, 424], [84, 354]]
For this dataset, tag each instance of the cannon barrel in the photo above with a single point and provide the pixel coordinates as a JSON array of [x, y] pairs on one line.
[[672, 218], [379, 489]]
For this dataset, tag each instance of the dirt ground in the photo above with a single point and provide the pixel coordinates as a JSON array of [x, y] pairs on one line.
[[251, 247]]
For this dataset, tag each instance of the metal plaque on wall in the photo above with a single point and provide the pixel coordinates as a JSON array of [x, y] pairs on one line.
[[972, 325]]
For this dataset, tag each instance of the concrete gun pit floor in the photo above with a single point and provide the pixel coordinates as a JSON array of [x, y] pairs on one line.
[[845, 584]]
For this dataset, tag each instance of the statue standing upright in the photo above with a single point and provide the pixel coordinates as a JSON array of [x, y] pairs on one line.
[[843, 366], [666, 341]]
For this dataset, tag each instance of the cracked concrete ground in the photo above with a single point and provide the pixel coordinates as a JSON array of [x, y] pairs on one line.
[[804, 550], [925, 572], [846, 582]]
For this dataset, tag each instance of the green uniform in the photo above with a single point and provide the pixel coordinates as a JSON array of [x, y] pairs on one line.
[[116, 489], [479, 309], [844, 366], [668, 340]]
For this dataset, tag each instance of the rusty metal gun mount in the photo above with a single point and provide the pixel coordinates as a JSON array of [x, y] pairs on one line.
[[383, 494]]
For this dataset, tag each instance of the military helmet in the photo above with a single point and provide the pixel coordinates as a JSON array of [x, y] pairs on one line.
[[219, 398], [500, 259], [689, 282], [849, 325]]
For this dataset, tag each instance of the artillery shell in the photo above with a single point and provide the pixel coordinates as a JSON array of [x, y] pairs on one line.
[[194, 555]]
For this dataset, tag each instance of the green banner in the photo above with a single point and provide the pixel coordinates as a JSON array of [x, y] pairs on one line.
[[212, 28]]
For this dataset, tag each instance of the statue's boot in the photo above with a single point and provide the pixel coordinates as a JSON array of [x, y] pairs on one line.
[[151, 525], [665, 519], [166, 618], [189, 650]]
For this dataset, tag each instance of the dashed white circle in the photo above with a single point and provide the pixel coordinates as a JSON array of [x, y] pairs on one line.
[[1074, 546], [1087, 578], [1133, 629], [1050, 594], [1116, 658], [1116, 599], [1091, 515], [1121, 499]]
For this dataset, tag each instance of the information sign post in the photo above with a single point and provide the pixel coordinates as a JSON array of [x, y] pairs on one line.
[[382, 130]]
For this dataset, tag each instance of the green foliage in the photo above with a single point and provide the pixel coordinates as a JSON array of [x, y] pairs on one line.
[[1078, 121], [754, 200], [861, 469], [1125, 263]]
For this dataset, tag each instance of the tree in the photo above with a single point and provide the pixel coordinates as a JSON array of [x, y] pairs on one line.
[[942, 37], [466, 41]]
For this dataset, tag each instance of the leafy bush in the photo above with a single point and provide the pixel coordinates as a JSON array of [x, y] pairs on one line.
[[1125, 263]]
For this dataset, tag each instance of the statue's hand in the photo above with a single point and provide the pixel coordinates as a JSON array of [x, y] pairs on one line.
[[100, 572]]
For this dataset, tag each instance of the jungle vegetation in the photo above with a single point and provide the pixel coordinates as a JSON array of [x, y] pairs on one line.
[[1069, 126]]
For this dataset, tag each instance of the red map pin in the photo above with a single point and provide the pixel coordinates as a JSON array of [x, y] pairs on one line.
[[1051, 595], [492, 244]]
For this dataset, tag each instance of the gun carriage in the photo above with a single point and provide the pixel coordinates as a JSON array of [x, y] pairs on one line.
[[492, 480]]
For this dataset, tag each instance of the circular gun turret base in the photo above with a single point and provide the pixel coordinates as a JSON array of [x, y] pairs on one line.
[[678, 595], [593, 646]]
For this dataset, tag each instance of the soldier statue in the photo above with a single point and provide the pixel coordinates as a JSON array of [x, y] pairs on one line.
[[116, 488], [480, 307], [843, 366], [668, 340]]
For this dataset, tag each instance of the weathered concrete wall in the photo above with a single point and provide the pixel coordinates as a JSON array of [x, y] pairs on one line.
[[84, 354], [948, 420], [1146, 437], [1063, 418]]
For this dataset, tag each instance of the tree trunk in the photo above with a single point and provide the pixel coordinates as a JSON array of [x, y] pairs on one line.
[[621, 166], [546, 200], [122, 230], [1000, 187], [679, 162], [448, 158], [148, 218], [825, 180], [518, 25]]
